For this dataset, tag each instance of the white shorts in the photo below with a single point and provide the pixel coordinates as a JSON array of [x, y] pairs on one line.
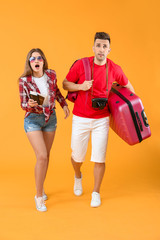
[[81, 130]]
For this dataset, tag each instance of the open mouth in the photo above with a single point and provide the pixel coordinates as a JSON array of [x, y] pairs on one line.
[[101, 55], [37, 66]]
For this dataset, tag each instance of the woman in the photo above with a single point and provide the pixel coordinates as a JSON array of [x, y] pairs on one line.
[[40, 120]]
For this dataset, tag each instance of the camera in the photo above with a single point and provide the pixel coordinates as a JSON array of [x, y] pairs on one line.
[[99, 103]]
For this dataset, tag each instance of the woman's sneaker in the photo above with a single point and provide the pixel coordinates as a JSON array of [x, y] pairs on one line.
[[44, 196], [40, 205], [96, 200], [78, 186]]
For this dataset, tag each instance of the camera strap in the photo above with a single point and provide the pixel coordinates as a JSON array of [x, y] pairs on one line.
[[106, 78]]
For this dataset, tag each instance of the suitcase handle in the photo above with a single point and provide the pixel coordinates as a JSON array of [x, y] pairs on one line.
[[139, 121], [144, 117]]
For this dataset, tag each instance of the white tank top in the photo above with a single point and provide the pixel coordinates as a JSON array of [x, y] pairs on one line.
[[43, 88]]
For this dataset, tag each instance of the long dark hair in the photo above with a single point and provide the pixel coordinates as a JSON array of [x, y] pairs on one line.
[[27, 69]]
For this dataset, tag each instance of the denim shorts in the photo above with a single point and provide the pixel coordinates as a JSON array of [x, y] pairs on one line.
[[36, 122]]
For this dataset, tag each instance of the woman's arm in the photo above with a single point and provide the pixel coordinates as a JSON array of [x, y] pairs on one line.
[[27, 104], [62, 102]]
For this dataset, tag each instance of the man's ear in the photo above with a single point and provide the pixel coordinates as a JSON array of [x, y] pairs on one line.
[[93, 48], [109, 50]]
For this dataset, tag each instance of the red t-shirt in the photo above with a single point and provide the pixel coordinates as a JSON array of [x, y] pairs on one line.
[[83, 104]]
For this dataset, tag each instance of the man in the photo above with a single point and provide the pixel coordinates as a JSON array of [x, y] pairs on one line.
[[89, 118]]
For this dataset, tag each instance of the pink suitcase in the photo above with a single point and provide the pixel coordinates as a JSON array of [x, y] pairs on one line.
[[128, 118]]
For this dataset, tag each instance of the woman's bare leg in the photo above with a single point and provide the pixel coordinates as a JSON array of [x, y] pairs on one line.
[[37, 141]]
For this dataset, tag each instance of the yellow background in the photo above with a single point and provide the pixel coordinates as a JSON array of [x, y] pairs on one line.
[[64, 30]]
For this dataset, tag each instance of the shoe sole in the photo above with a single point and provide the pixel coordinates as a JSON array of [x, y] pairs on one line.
[[41, 210], [78, 195], [95, 206]]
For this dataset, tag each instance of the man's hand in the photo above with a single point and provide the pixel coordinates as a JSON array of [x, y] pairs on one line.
[[73, 87], [86, 85]]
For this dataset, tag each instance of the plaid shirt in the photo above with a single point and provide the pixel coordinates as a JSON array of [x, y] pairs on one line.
[[27, 84]]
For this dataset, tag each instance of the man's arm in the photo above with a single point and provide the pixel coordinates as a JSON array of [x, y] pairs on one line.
[[129, 86], [73, 87]]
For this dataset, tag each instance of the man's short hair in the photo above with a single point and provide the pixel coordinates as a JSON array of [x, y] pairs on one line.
[[102, 35]]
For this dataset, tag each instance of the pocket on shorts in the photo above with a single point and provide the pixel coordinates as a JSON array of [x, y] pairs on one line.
[[31, 118]]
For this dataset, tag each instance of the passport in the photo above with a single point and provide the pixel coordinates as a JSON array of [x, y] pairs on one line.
[[39, 98]]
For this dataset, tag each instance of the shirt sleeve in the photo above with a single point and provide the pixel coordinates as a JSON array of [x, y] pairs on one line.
[[73, 74], [60, 98], [120, 76], [57, 94], [23, 91]]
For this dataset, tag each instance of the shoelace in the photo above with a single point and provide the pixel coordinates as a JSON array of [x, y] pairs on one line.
[[78, 183], [95, 197], [40, 202]]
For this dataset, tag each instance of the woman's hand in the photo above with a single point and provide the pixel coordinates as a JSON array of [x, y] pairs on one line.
[[32, 103], [66, 111]]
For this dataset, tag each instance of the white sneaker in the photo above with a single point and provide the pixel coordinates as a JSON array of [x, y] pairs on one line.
[[78, 186], [96, 200], [44, 196], [40, 205]]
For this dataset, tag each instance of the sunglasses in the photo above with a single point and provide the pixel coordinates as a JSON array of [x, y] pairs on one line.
[[39, 58]]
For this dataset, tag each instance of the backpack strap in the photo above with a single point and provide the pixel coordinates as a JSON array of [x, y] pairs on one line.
[[87, 70]]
